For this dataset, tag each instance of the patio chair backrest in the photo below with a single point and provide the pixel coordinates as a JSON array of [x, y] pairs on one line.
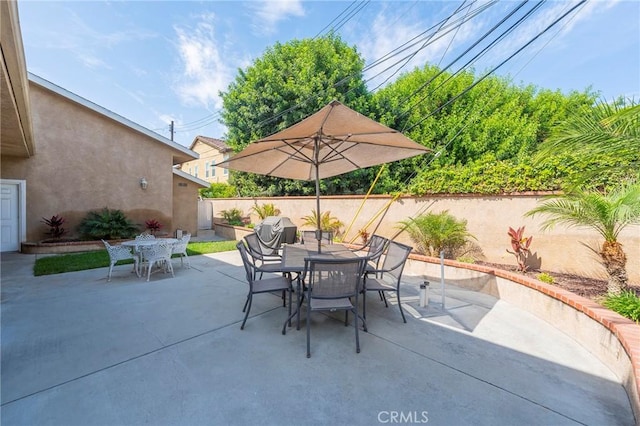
[[117, 252], [395, 259], [310, 237], [253, 245], [334, 278], [181, 245], [377, 245], [160, 251], [145, 237], [249, 266], [258, 250]]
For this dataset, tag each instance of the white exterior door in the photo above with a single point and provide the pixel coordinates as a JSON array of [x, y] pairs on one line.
[[10, 217]]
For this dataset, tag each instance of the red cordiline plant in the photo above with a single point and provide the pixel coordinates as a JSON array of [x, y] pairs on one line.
[[520, 245], [153, 225], [55, 226]]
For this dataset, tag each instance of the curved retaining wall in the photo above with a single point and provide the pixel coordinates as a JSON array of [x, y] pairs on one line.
[[615, 340]]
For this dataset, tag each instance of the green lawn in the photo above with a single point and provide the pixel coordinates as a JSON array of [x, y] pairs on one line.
[[100, 259]]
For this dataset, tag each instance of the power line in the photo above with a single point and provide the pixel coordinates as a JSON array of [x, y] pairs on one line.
[[336, 18], [389, 55], [473, 59], [425, 44]]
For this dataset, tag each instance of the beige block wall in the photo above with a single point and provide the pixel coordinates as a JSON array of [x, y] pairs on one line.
[[488, 218], [86, 161]]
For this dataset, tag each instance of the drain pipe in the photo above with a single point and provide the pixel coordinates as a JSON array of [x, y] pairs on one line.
[[442, 276]]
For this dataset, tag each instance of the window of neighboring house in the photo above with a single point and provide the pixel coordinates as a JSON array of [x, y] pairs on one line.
[[196, 173], [206, 169], [225, 158], [190, 171], [213, 169]]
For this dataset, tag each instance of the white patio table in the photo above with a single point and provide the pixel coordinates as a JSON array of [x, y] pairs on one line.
[[137, 244]]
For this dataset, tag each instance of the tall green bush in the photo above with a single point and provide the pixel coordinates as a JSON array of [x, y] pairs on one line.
[[436, 232], [327, 222], [265, 210], [233, 216], [219, 190], [107, 224]]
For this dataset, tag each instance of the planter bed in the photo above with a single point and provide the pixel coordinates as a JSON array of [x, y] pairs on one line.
[[63, 247]]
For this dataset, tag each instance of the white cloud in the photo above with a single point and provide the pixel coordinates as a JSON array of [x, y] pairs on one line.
[[72, 34], [91, 61], [269, 13], [204, 69]]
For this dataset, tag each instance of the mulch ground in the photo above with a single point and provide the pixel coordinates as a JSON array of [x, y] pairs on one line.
[[590, 288]]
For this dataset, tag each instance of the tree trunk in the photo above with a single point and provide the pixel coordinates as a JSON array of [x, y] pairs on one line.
[[614, 261]]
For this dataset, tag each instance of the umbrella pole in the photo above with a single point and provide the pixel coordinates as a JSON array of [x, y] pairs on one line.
[[318, 224], [319, 227]]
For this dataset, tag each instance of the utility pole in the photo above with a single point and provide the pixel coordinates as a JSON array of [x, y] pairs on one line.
[[171, 130]]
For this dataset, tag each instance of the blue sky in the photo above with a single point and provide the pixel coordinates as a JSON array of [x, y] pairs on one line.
[[157, 61]]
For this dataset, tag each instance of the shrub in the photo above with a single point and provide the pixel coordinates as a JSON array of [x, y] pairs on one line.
[[520, 245], [546, 278], [436, 232], [219, 190], [466, 259], [107, 224], [327, 222], [265, 210], [55, 226], [626, 304], [233, 216]]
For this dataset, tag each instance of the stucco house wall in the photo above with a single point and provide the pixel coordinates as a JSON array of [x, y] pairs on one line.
[[86, 161]]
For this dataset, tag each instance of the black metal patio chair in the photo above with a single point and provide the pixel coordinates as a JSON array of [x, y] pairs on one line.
[[387, 277], [257, 286], [333, 285]]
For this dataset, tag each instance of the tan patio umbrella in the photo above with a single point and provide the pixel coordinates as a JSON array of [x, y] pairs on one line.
[[333, 141]]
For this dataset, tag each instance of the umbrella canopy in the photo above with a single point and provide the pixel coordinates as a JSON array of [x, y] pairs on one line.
[[333, 141]]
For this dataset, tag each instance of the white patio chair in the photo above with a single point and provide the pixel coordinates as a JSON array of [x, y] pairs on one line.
[[180, 248], [145, 237], [117, 253], [136, 249], [157, 254]]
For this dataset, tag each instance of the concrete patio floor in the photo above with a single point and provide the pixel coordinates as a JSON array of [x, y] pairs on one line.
[[77, 350]]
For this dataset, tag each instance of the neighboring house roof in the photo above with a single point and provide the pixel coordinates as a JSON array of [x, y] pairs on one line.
[[193, 179], [182, 153], [218, 144]]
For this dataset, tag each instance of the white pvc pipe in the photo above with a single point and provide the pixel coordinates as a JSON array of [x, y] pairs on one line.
[[442, 276]]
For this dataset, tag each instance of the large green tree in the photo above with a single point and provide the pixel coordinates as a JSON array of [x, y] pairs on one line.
[[286, 84], [495, 121]]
